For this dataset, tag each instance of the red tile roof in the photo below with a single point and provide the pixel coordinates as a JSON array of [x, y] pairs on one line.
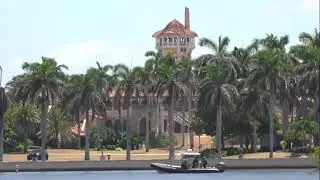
[[175, 28]]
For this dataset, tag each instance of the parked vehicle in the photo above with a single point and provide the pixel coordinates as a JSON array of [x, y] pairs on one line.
[[36, 154]]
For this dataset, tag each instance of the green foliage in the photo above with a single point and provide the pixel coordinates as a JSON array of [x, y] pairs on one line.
[[58, 126], [107, 138], [302, 150], [302, 129], [317, 155], [283, 144], [158, 141], [212, 152]]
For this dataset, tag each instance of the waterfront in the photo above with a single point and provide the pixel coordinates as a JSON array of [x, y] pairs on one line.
[[259, 174]]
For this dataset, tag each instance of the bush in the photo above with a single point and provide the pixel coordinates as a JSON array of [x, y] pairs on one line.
[[302, 150], [111, 147], [135, 141], [158, 141], [107, 137], [209, 153], [212, 152]]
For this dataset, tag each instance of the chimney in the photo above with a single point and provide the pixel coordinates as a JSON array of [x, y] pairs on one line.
[[186, 18]]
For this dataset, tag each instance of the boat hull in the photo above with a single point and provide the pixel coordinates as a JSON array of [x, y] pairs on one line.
[[166, 168]]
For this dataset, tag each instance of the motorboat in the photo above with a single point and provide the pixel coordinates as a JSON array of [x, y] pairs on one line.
[[185, 158]]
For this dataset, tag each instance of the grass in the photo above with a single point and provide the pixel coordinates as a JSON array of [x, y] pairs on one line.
[[153, 154]]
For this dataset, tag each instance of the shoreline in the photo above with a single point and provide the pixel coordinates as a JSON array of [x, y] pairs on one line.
[[123, 165]]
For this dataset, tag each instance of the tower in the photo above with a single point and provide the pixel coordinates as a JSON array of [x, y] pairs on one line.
[[176, 38]]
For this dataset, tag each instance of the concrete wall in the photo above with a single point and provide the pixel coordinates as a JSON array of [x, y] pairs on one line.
[[145, 165]]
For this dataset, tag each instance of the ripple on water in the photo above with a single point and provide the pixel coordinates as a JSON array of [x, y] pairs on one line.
[[283, 174]]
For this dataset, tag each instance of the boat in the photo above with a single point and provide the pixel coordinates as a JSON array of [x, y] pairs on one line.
[[169, 168]]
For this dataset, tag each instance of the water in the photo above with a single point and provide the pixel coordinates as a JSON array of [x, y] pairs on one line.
[[281, 174]]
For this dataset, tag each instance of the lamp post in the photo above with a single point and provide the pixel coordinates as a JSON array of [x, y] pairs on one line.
[[3, 107], [318, 112]]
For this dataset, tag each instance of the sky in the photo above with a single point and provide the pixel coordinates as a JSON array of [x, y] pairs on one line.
[[78, 33]]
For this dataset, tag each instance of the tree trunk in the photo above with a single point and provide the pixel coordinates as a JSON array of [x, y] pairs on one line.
[[271, 121], [222, 140], [128, 128], [219, 126], [183, 126], [87, 142], [170, 119], [25, 143], [3, 108], [157, 116], [1, 135], [147, 125], [255, 137], [77, 114], [59, 140], [285, 115], [242, 141], [191, 134], [292, 109], [44, 112]]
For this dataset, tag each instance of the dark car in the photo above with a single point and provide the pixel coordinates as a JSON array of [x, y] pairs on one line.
[[36, 154]]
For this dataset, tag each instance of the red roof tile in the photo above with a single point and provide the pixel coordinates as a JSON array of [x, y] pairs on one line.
[[175, 28]]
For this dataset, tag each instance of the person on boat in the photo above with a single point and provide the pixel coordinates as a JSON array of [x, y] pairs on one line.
[[195, 163], [184, 164], [204, 162]]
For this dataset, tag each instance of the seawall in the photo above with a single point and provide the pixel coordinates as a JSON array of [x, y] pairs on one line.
[[145, 165]]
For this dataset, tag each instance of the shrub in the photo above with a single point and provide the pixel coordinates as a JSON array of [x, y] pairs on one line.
[[107, 137], [209, 153], [212, 152], [111, 147], [283, 144], [158, 141], [135, 141], [302, 150]]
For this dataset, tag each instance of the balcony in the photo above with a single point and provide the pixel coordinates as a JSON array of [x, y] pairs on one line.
[[175, 44]]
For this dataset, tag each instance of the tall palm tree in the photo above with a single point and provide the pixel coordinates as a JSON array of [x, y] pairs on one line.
[[129, 84], [41, 84], [168, 81], [89, 98], [103, 83], [243, 62], [308, 52], [3, 108], [71, 97], [269, 64], [187, 77], [151, 65], [217, 85]]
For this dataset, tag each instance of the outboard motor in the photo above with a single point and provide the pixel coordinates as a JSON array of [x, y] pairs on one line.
[[221, 166]]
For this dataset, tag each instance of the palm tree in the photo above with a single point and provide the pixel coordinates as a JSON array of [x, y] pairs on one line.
[[309, 54], [3, 108], [59, 124], [129, 84], [151, 65], [269, 64], [187, 77], [248, 100], [89, 98], [71, 97], [216, 87], [26, 117], [168, 81], [41, 84], [103, 84]]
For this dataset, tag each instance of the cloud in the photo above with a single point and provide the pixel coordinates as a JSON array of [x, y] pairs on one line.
[[80, 56], [295, 6], [305, 6]]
